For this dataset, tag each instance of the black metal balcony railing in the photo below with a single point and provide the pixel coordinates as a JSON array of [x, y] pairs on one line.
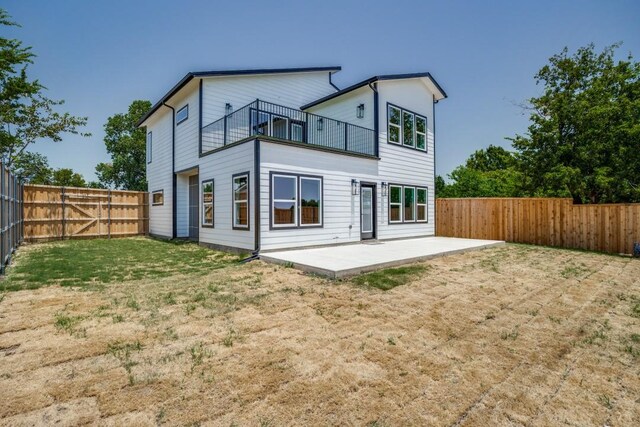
[[277, 121]]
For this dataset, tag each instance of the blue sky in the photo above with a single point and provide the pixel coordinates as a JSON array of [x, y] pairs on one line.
[[99, 56]]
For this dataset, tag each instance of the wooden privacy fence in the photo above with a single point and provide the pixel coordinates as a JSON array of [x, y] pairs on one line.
[[554, 222], [10, 215], [70, 212]]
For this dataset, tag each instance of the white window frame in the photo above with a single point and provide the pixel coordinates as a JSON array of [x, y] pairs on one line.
[[236, 202], [149, 146], [274, 201], [425, 204], [205, 204], [179, 112], [153, 193], [389, 124], [415, 125], [413, 131], [319, 180], [400, 204], [404, 189]]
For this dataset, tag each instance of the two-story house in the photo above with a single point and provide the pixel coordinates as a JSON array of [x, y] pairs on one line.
[[258, 160]]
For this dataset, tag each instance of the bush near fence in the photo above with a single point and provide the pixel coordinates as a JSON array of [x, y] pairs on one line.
[[609, 228], [68, 212]]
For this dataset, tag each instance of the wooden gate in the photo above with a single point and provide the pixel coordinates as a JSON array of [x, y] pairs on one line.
[[70, 212]]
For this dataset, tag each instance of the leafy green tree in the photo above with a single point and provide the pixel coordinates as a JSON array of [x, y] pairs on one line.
[[127, 145], [26, 115], [33, 168], [66, 177], [584, 137]]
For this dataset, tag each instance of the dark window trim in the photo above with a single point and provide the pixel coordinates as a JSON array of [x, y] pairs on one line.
[[149, 146], [213, 204], [154, 192], [402, 221], [233, 202], [179, 111], [415, 138], [298, 224]]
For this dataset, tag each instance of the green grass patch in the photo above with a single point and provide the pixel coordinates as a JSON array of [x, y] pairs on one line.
[[389, 278], [102, 261]]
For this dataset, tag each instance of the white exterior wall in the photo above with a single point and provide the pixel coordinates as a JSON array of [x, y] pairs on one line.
[[341, 210], [187, 153], [290, 90], [220, 167], [401, 165], [159, 176], [344, 108]]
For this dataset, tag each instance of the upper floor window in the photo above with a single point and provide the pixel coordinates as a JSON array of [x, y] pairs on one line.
[[406, 128], [149, 136], [182, 114]]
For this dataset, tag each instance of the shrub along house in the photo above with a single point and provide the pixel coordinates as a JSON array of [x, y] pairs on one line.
[[257, 160]]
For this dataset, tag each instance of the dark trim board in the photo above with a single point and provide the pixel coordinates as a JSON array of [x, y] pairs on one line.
[[256, 171]]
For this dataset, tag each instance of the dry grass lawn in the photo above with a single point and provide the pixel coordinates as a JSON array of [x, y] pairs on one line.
[[515, 335]]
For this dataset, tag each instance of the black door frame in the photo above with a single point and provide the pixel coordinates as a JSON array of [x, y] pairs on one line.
[[374, 210]]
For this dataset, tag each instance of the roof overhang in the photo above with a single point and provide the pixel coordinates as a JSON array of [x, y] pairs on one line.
[[439, 92], [221, 73]]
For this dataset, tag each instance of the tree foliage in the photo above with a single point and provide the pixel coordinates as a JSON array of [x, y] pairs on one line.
[[127, 146], [66, 177], [34, 168], [26, 114], [584, 136]]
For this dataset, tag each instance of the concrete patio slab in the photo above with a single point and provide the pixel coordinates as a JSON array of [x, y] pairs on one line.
[[349, 260]]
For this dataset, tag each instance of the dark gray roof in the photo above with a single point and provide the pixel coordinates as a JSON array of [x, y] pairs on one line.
[[194, 74], [375, 79]]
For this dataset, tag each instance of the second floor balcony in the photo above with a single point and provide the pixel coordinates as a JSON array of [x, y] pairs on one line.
[[288, 124]]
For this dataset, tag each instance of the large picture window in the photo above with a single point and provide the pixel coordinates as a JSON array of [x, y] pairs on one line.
[[407, 203], [241, 201], [406, 128], [296, 201], [207, 203]]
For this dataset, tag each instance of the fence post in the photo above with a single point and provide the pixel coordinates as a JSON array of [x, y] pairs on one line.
[[109, 213], [2, 217]]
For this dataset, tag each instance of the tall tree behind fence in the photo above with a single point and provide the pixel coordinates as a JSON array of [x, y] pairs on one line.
[[10, 215], [69, 212], [609, 228]]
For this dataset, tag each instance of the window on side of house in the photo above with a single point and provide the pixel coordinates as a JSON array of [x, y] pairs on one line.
[[157, 198], [182, 114], [310, 201], [394, 124], [408, 127], [395, 203], [207, 203], [421, 204], [149, 146], [409, 211], [421, 133], [284, 200], [241, 201]]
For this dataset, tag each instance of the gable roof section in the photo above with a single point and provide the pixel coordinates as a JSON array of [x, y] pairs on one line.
[[217, 73], [374, 79]]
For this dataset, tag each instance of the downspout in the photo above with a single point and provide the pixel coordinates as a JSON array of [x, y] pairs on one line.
[[433, 115], [256, 176], [174, 202]]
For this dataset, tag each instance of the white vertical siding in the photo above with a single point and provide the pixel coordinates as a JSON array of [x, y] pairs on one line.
[[182, 205], [403, 165], [159, 175], [291, 90], [220, 167], [344, 108]]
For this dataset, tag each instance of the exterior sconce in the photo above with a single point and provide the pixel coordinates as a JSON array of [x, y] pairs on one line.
[[360, 111], [228, 109], [355, 186], [385, 189], [320, 123]]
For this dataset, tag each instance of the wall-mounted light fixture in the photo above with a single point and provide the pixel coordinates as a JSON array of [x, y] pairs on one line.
[[355, 186], [320, 123], [228, 109], [360, 111], [385, 189]]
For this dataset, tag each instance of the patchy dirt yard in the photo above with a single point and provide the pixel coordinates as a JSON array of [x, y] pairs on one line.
[[515, 335]]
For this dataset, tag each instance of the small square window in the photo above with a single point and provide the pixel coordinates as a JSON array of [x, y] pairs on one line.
[[157, 198], [182, 114]]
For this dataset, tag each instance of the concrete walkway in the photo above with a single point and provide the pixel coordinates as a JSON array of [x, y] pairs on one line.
[[348, 260]]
